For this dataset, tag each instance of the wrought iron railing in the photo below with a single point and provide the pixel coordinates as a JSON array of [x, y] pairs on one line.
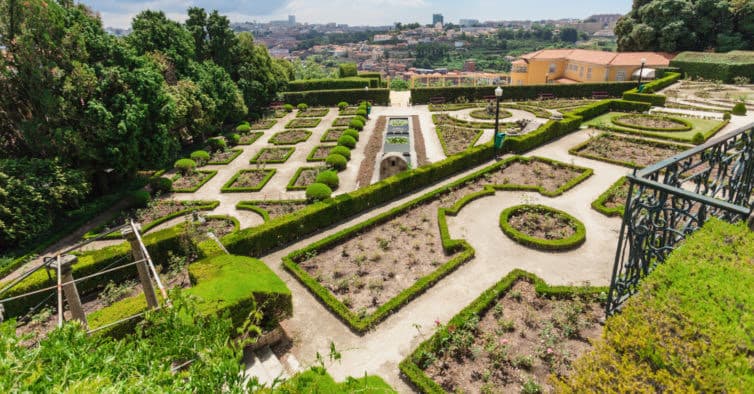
[[671, 199]]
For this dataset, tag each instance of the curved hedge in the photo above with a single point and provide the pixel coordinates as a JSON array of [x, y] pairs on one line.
[[201, 157], [684, 125], [572, 242]]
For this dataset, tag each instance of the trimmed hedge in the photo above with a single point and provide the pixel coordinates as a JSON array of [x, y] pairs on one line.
[[292, 182], [646, 96], [599, 204], [716, 66], [185, 166], [254, 206], [352, 133], [346, 70], [200, 157], [576, 150], [329, 178], [347, 141], [305, 136], [342, 150], [160, 184], [255, 159], [228, 186], [318, 192], [336, 161], [332, 84], [410, 365], [615, 89], [330, 98], [572, 242], [684, 125], [209, 175], [689, 327]]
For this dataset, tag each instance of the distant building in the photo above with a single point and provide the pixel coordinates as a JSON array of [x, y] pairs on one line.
[[292, 20], [437, 18], [579, 65], [469, 65], [468, 22], [382, 37]]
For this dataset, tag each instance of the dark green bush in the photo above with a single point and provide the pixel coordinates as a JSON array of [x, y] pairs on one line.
[[739, 109], [243, 128], [329, 98], [347, 141], [233, 139], [697, 139], [525, 92], [356, 124], [140, 198], [329, 178], [361, 112], [351, 133], [726, 115], [331, 84], [336, 162], [201, 157], [342, 105], [318, 192], [217, 144], [342, 150], [346, 70], [716, 66], [185, 166], [302, 106], [160, 185], [288, 107]]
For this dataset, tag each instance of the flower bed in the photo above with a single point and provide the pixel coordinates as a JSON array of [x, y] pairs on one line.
[[313, 113], [332, 135], [613, 201], [652, 122], [706, 128], [248, 180], [290, 137], [303, 177], [263, 124], [319, 153], [250, 138], [342, 121], [510, 339], [348, 111], [626, 151], [483, 114], [542, 227], [191, 183], [455, 139], [224, 157], [270, 210], [272, 155], [302, 123]]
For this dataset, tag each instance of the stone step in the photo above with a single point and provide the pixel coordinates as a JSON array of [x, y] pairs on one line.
[[271, 364], [255, 368]]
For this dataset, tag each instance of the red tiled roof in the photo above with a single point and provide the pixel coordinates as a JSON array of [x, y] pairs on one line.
[[654, 59], [594, 57]]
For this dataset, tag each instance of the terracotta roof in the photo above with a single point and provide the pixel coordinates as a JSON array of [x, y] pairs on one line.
[[654, 59], [594, 57], [519, 61], [549, 54], [565, 81]]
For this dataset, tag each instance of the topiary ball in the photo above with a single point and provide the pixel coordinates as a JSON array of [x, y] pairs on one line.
[[302, 107], [336, 162], [739, 109], [160, 185], [243, 128], [356, 124], [329, 178], [233, 138], [318, 192], [352, 133], [185, 166], [342, 105], [697, 139], [361, 119], [362, 112], [201, 157], [347, 141], [217, 144], [288, 107], [726, 115], [342, 150]]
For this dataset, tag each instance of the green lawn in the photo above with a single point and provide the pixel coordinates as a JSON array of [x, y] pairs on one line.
[[707, 127], [317, 380]]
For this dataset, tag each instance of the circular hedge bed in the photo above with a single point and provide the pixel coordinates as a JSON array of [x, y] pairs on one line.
[[652, 122], [483, 114], [542, 227]]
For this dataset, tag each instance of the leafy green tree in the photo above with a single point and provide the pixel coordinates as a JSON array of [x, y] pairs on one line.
[[259, 76], [569, 34], [152, 31]]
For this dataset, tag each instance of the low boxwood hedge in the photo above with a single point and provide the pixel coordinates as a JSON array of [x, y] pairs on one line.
[[336, 162], [569, 243], [576, 150], [292, 183], [208, 175], [342, 150], [683, 125], [318, 192], [232, 157], [256, 158], [250, 138], [254, 206], [410, 366], [229, 188], [329, 178], [332, 84], [599, 204], [330, 98]]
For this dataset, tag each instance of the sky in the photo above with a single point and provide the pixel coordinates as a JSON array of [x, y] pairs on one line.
[[118, 13]]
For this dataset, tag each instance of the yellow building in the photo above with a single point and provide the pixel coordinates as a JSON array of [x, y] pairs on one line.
[[579, 65]]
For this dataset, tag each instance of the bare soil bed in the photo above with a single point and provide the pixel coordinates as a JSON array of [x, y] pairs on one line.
[[457, 139], [483, 114], [187, 182], [651, 122], [290, 137], [263, 124], [342, 121], [280, 208], [374, 147], [272, 155], [419, 147], [320, 152], [542, 225], [332, 135], [618, 197], [223, 157], [250, 178], [349, 111], [517, 344], [313, 113], [248, 139], [302, 123], [306, 178], [632, 152]]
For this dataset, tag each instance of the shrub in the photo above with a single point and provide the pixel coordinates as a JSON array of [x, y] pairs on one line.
[[244, 127], [361, 119], [318, 192], [347, 141], [726, 115], [217, 144], [332, 97], [288, 107], [697, 139], [302, 106], [739, 109], [351, 132], [185, 166], [361, 112], [233, 139], [331, 84], [201, 157], [342, 105], [336, 162], [329, 178], [347, 70], [160, 185], [356, 124], [342, 150], [140, 198]]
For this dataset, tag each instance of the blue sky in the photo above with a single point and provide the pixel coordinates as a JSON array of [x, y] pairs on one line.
[[118, 13]]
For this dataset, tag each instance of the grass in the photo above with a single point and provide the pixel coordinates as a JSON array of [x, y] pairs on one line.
[[317, 380], [707, 127], [688, 329]]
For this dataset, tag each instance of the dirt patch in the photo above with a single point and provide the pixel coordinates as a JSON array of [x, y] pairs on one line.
[[457, 139], [302, 123], [649, 121], [272, 155], [264, 124], [321, 152], [636, 152], [342, 122], [250, 178], [373, 148], [332, 135], [618, 197], [313, 113], [542, 225], [290, 137], [349, 111], [277, 209], [219, 226], [419, 147], [517, 343], [188, 182], [248, 139], [306, 178], [223, 157]]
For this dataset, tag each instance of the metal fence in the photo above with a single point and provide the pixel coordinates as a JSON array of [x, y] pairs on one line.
[[673, 198]]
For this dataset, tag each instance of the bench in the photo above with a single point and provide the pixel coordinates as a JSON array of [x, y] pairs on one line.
[[600, 95], [437, 100], [546, 96]]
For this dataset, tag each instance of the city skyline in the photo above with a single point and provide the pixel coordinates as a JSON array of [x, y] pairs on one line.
[[118, 14]]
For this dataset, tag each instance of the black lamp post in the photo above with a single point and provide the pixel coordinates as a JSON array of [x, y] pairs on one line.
[[641, 73], [498, 95]]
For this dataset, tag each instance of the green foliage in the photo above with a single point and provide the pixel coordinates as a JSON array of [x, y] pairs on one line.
[[233, 139], [451, 94], [328, 98], [739, 109], [243, 128], [332, 84], [329, 178], [207, 175], [139, 198], [346, 70], [336, 162], [288, 107], [347, 141], [687, 329], [342, 105], [341, 150], [185, 166], [217, 144], [361, 112], [317, 380], [614, 191], [318, 192], [572, 242], [697, 139], [674, 26], [201, 157], [302, 106], [726, 115], [398, 84], [160, 185], [356, 124], [351, 133]]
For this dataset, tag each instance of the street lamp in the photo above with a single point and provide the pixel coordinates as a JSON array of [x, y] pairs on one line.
[[499, 137], [641, 73]]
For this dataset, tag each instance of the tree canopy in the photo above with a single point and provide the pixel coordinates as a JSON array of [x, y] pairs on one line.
[[681, 25]]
